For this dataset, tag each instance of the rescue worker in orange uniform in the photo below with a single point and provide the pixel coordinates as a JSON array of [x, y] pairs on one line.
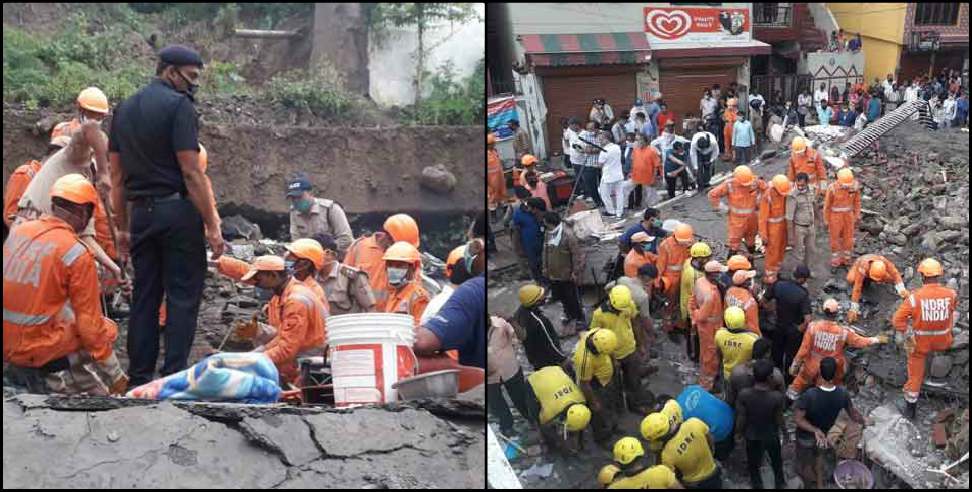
[[772, 225], [295, 314], [672, 253], [405, 294], [495, 180], [742, 192], [706, 308], [519, 173], [729, 117], [639, 254], [21, 177], [842, 210], [824, 338], [54, 336], [804, 159], [366, 252], [870, 268], [741, 296], [931, 313]]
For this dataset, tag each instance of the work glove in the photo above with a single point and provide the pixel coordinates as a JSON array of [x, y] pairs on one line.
[[901, 290]]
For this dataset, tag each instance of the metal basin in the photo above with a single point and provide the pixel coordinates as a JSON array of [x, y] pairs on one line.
[[438, 384]]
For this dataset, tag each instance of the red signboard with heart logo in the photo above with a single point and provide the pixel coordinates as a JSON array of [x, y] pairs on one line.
[[697, 25]]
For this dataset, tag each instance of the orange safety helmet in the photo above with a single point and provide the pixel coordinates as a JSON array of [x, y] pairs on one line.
[[781, 184], [930, 267], [454, 256], [403, 251], [93, 99], [684, 232], [490, 139], [528, 160], [267, 263], [845, 176], [738, 262], [203, 158], [308, 249], [877, 271], [402, 227], [75, 188], [743, 175]]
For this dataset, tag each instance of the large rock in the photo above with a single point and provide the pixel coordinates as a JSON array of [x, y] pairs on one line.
[[953, 222], [940, 365], [438, 178], [238, 227]]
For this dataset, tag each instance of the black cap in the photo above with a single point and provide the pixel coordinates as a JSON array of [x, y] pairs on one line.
[[802, 272], [180, 55]]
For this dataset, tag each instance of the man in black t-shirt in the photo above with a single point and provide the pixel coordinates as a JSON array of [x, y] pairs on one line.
[[816, 411], [792, 313], [759, 418]]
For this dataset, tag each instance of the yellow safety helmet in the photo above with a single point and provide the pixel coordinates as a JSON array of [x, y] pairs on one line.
[[799, 145], [877, 271], [628, 449], [604, 340], [621, 297], [700, 250], [578, 416], [530, 294], [607, 474], [654, 426], [930, 267], [93, 99], [735, 317], [845, 176]]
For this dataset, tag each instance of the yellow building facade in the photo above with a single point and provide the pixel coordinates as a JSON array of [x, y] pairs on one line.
[[881, 26]]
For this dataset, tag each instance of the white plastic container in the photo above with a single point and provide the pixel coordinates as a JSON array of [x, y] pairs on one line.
[[369, 352]]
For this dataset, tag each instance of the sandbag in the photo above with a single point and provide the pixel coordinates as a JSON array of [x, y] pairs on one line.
[[248, 377]]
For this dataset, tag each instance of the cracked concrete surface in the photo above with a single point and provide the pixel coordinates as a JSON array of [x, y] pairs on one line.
[[48, 442]]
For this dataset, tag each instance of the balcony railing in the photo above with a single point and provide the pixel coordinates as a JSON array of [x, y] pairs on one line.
[[772, 14]]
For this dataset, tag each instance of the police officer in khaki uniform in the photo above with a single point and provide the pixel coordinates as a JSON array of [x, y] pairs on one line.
[[310, 215], [346, 288]]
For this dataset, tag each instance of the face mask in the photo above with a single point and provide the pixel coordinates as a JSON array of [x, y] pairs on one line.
[[396, 276], [263, 294], [303, 205], [191, 87], [289, 265], [657, 223]]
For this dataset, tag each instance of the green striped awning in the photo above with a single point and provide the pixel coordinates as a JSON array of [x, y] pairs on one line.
[[558, 50]]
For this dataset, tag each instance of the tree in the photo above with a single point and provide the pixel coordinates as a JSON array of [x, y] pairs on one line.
[[423, 16]]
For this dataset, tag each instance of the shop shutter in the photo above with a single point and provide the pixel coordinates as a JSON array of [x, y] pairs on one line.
[[572, 95], [682, 87]]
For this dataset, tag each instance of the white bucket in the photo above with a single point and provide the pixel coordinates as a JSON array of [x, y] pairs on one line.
[[369, 353]]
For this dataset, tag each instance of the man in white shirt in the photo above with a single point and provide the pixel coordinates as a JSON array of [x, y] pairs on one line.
[[570, 153], [820, 94], [704, 150], [708, 105], [888, 86], [639, 107], [911, 94], [612, 177], [948, 111]]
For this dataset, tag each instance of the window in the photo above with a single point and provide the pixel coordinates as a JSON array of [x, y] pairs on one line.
[[771, 14], [937, 14]]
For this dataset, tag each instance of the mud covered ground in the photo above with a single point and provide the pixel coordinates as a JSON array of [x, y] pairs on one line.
[[875, 375]]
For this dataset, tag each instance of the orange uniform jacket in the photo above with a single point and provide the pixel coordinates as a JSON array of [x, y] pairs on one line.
[[931, 310], [16, 185], [809, 162], [841, 199], [729, 116], [772, 228], [671, 256], [858, 273], [45, 266], [411, 299], [634, 260], [705, 306], [743, 299], [235, 269], [298, 316], [743, 202], [365, 254], [824, 338], [495, 179]]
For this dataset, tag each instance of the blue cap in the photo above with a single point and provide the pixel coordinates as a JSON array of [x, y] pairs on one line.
[[298, 186], [180, 55]]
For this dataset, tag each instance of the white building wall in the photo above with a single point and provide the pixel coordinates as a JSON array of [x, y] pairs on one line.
[[391, 66]]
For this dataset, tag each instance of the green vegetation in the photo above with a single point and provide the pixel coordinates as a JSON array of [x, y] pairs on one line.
[[320, 92], [451, 102]]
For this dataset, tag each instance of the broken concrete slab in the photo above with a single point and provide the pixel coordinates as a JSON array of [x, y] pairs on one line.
[[53, 441]]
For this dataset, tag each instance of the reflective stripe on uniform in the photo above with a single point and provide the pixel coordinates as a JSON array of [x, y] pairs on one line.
[[840, 209], [24, 319], [776, 220], [674, 268], [921, 333], [741, 211], [73, 254]]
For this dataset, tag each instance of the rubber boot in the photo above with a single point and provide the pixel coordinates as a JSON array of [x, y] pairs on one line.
[[910, 410]]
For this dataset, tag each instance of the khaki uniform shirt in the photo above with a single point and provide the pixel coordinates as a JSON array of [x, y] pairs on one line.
[[799, 210], [347, 290], [37, 197], [324, 217], [521, 143]]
